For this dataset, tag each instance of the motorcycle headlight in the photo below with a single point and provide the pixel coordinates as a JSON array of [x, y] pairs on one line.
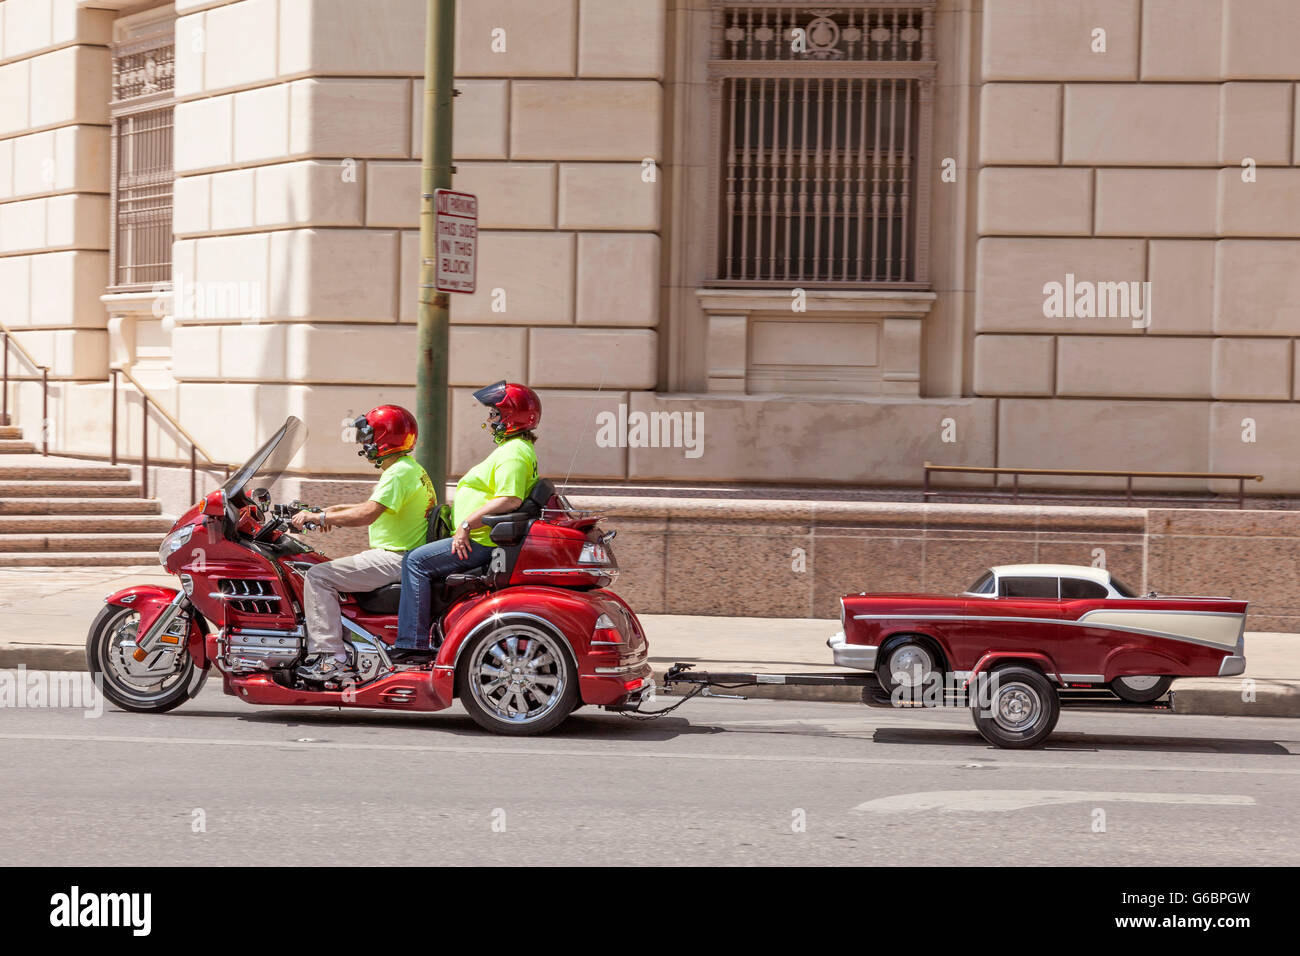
[[173, 543]]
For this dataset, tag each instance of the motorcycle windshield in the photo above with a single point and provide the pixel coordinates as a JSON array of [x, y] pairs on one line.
[[268, 463]]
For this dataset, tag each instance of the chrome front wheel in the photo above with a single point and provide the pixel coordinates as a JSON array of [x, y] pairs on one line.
[[158, 683], [518, 679]]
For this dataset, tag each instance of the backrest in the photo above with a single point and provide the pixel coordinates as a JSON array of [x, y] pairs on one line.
[[542, 491], [508, 532]]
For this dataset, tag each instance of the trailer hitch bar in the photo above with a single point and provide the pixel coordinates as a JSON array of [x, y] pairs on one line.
[[686, 674], [701, 684]]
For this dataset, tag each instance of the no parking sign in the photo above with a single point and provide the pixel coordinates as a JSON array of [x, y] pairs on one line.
[[456, 230]]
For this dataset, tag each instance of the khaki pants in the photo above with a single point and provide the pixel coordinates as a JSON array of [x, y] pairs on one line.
[[320, 592]]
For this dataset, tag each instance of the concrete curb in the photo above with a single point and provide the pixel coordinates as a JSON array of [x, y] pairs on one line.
[[1235, 697], [44, 657]]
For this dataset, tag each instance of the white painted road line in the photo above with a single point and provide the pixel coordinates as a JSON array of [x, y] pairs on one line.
[[956, 762], [1001, 801]]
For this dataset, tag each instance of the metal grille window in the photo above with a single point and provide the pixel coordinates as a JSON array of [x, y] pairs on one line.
[[822, 128], [140, 252]]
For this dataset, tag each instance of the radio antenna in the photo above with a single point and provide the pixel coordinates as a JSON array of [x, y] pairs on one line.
[[590, 409]]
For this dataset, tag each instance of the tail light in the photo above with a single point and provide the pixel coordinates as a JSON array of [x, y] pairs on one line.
[[594, 552], [605, 632]]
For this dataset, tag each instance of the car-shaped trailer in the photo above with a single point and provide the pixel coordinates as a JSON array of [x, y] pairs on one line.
[[1020, 642]]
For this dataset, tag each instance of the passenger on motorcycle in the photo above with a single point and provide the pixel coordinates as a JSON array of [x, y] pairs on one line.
[[397, 514], [496, 485]]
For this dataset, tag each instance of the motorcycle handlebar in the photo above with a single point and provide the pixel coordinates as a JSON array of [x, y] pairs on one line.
[[285, 512]]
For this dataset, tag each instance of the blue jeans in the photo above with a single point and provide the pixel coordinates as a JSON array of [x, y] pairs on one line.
[[422, 569]]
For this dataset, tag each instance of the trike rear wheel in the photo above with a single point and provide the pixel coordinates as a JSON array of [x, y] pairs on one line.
[[517, 679]]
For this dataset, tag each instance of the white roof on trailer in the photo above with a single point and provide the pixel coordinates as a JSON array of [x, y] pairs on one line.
[[1088, 573]]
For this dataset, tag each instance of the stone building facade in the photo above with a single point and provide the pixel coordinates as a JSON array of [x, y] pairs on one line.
[[839, 257]]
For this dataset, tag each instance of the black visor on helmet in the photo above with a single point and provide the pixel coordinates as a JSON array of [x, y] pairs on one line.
[[366, 436], [491, 395]]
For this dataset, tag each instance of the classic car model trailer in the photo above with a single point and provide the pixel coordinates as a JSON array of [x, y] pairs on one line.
[[682, 675], [1019, 644]]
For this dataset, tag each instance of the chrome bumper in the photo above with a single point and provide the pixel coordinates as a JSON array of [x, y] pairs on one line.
[[845, 654], [1232, 666]]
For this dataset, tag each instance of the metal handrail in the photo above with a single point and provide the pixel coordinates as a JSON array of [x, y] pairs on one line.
[[6, 334], [7, 339], [1129, 497], [147, 397]]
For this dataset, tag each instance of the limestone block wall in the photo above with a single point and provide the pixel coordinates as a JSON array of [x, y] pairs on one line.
[[54, 182], [298, 141], [1162, 151]]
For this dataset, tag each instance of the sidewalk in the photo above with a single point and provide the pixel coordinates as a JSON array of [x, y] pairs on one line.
[[44, 615]]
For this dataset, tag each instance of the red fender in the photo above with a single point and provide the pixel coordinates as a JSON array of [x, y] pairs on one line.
[[572, 613], [1139, 658], [150, 600], [991, 658]]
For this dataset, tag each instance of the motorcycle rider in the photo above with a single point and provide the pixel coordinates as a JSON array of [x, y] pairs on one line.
[[397, 514], [496, 485]]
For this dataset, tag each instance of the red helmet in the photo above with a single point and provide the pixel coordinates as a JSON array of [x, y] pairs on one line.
[[384, 431], [518, 406]]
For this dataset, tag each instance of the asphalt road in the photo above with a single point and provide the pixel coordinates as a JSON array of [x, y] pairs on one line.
[[718, 782]]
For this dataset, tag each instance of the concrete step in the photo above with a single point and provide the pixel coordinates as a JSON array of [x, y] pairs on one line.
[[141, 544], [80, 506], [69, 489], [10, 431], [33, 471], [77, 559], [83, 524], [16, 446]]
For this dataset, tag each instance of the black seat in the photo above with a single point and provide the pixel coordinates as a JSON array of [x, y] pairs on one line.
[[387, 599], [383, 600]]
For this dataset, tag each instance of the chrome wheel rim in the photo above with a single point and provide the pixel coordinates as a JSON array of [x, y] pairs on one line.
[[1143, 683], [517, 674], [1016, 707], [144, 681], [910, 665]]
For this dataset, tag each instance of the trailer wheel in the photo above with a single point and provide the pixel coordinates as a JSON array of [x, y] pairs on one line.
[[1019, 708], [1140, 690]]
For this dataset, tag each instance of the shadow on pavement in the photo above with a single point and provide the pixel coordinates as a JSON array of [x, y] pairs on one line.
[[1092, 743], [580, 726]]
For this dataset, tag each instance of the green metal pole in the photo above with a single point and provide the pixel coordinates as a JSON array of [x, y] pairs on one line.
[[431, 394]]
